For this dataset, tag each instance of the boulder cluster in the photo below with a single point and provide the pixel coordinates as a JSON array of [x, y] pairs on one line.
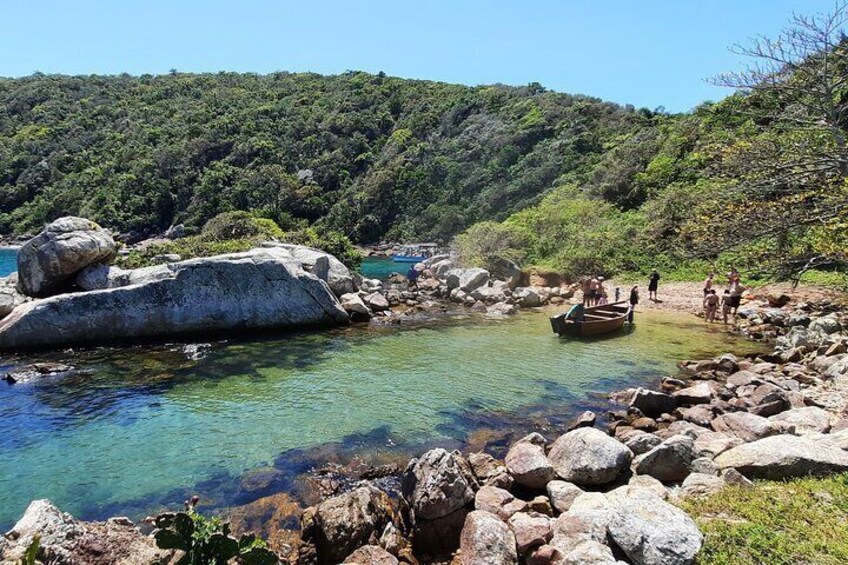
[[498, 292]]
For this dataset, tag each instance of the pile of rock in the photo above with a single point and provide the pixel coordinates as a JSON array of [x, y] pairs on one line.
[[65, 292]]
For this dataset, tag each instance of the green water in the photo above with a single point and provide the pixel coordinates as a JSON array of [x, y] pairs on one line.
[[144, 426]]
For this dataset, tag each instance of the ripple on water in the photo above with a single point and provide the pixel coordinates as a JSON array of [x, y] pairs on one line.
[[145, 427]]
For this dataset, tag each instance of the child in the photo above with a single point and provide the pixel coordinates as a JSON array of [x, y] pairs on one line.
[[617, 294]]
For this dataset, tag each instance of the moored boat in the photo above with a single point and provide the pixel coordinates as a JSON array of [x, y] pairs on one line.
[[594, 320], [414, 253]]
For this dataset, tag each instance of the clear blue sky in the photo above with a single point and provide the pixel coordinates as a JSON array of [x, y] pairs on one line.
[[643, 52]]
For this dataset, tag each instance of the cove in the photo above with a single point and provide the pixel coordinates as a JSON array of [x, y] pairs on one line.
[[136, 428]]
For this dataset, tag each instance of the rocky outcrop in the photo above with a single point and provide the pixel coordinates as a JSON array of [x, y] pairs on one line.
[[50, 260], [486, 540], [344, 523], [321, 264], [653, 532], [371, 555], [259, 289], [439, 489], [10, 296], [587, 456], [784, 456], [67, 541], [467, 280]]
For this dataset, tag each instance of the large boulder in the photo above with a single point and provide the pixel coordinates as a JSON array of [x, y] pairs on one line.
[[806, 420], [505, 270], [371, 555], [784, 456], [321, 264], [343, 523], [587, 456], [486, 540], [467, 280], [50, 260], [527, 463], [439, 489], [65, 540], [10, 296], [669, 461], [259, 289], [651, 531], [744, 425], [653, 403]]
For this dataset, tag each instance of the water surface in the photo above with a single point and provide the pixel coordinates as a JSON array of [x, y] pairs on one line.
[[8, 261], [139, 428]]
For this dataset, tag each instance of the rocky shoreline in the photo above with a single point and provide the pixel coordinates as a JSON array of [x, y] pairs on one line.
[[588, 496]]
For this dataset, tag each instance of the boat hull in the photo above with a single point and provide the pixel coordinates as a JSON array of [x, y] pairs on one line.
[[599, 320], [407, 259]]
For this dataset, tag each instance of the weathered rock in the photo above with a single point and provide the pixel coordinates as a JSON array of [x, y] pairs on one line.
[[355, 307], [498, 501], [700, 393], [649, 483], [807, 420], [743, 378], [587, 456], [489, 471], [467, 280], [10, 296], [348, 521], [545, 555], [778, 300], [377, 302], [651, 531], [259, 289], [784, 456], [563, 494], [748, 427], [505, 270], [768, 400], [701, 415], [589, 552], [701, 484], [584, 420], [531, 530], [727, 363], [528, 297], [337, 276], [527, 463], [486, 540], [669, 461], [65, 247], [65, 540], [371, 555], [653, 403], [640, 442], [439, 489]]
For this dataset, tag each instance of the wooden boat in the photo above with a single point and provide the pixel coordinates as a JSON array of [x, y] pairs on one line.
[[597, 320], [414, 252], [408, 258]]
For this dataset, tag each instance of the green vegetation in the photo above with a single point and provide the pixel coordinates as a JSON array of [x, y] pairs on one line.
[[207, 541], [804, 521], [233, 232], [758, 181]]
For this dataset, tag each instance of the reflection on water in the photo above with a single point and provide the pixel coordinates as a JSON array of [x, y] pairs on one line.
[[138, 428]]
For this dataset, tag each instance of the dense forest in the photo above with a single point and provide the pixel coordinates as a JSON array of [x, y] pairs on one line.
[[367, 155], [756, 181]]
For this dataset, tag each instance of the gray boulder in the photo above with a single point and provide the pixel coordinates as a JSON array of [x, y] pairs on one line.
[[320, 263], [467, 280], [651, 531], [563, 494], [527, 463], [259, 289], [439, 489], [66, 246], [505, 270], [486, 540], [669, 461], [343, 523], [587, 456], [806, 420], [10, 296], [744, 425], [784, 456], [653, 403]]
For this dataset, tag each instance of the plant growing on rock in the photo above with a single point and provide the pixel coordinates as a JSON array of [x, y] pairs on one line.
[[207, 541]]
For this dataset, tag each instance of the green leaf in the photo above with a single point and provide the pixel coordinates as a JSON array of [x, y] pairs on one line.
[[169, 539], [222, 548], [259, 556]]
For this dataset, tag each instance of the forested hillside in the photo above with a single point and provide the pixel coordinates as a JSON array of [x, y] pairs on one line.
[[367, 155]]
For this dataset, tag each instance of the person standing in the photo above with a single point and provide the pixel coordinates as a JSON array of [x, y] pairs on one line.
[[594, 287], [634, 300], [736, 289], [653, 284], [708, 284], [725, 304], [711, 305], [412, 278]]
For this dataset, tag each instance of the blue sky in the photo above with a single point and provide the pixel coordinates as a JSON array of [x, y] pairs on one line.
[[643, 52]]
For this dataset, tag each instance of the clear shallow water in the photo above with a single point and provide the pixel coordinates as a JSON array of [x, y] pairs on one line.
[[375, 268], [143, 427], [8, 261]]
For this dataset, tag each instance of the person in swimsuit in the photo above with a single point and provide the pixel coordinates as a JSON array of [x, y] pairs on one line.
[[711, 305], [594, 286], [708, 284], [725, 304], [736, 290]]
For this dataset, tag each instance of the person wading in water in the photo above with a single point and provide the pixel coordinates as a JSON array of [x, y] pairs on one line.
[[634, 300], [711, 305]]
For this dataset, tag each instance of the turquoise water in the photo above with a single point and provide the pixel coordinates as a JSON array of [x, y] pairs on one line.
[[8, 261], [373, 268], [140, 428]]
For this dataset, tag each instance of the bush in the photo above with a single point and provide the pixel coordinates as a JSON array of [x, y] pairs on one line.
[[240, 225]]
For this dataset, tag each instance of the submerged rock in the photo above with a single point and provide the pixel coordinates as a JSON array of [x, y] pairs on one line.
[[259, 289], [64, 248]]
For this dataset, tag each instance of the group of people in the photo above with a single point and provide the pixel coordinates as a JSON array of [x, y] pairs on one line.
[[595, 293], [729, 300]]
